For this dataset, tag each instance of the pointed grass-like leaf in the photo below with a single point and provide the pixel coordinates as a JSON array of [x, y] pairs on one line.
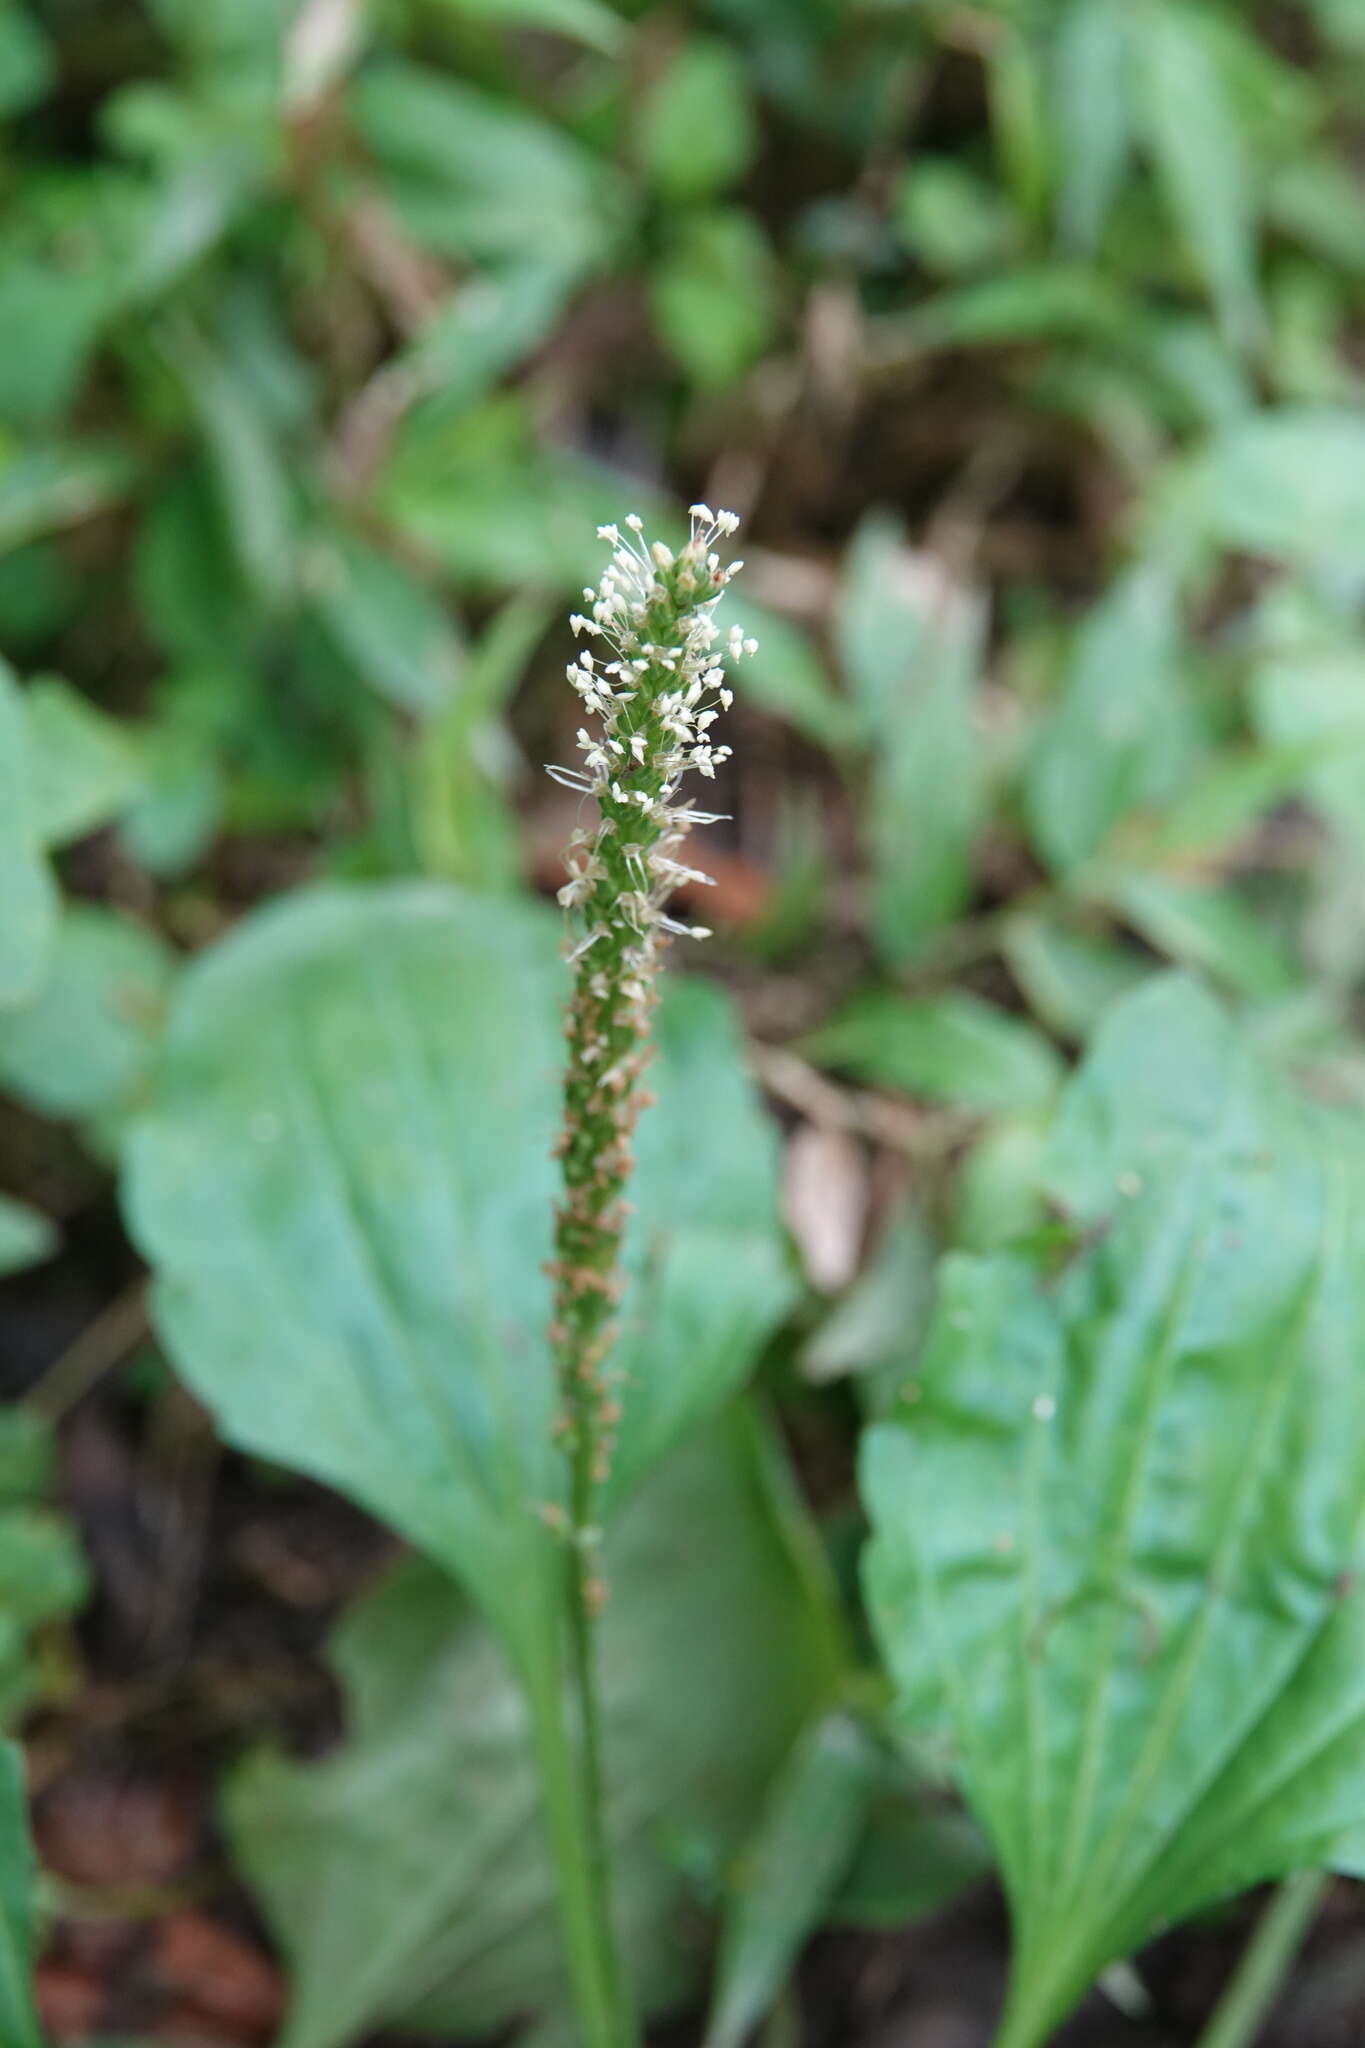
[[344, 1188], [18, 2016], [717, 1644], [1117, 1535], [791, 1870], [28, 892]]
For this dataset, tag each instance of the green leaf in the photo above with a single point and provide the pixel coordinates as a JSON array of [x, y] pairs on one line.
[[712, 294], [492, 322], [951, 219], [463, 823], [26, 883], [1201, 925], [197, 608], [1117, 1538], [1287, 485], [58, 484], [26, 1455], [1311, 696], [1192, 126], [42, 1571], [58, 313], [1093, 60], [789, 1873], [910, 645], [84, 764], [998, 1196], [1068, 975], [949, 1048], [477, 176], [697, 131], [1037, 302], [27, 1237], [389, 626], [177, 811], [248, 467], [18, 2015], [1123, 733], [879, 1323], [345, 1188], [84, 1046], [431, 1803], [787, 679], [28, 66], [587, 21], [1229, 796], [495, 507], [1022, 141], [917, 1854], [191, 211]]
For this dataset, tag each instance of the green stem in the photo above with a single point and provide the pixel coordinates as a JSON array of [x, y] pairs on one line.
[[573, 1823], [592, 1782], [1266, 1961]]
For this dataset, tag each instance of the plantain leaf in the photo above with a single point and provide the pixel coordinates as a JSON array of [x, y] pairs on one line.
[[1196, 134], [431, 1802], [1118, 1533], [18, 2016], [1201, 926], [477, 174], [949, 1048], [1069, 974], [27, 1237], [249, 469], [387, 624], [27, 889], [790, 1873], [42, 1571], [85, 764], [1095, 114], [1288, 483], [345, 1189], [1122, 734], [83, 1047], [697, 133], [910, 643]]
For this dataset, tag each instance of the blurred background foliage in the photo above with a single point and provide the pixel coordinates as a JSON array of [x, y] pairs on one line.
[[1027, 338], [1024, 336]]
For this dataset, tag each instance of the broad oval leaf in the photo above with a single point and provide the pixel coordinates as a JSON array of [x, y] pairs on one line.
[[1117, 1534], [431, 1802], [344, 1187]]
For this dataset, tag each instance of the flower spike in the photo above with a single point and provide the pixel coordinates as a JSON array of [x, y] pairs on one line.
[[655, 685]]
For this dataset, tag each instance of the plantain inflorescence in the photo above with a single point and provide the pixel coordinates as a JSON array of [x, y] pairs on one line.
[[655, 689]]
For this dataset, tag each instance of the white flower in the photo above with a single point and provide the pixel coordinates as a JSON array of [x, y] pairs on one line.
[[653, 613]]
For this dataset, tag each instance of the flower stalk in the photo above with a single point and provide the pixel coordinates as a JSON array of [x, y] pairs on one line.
[[654, 689]]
